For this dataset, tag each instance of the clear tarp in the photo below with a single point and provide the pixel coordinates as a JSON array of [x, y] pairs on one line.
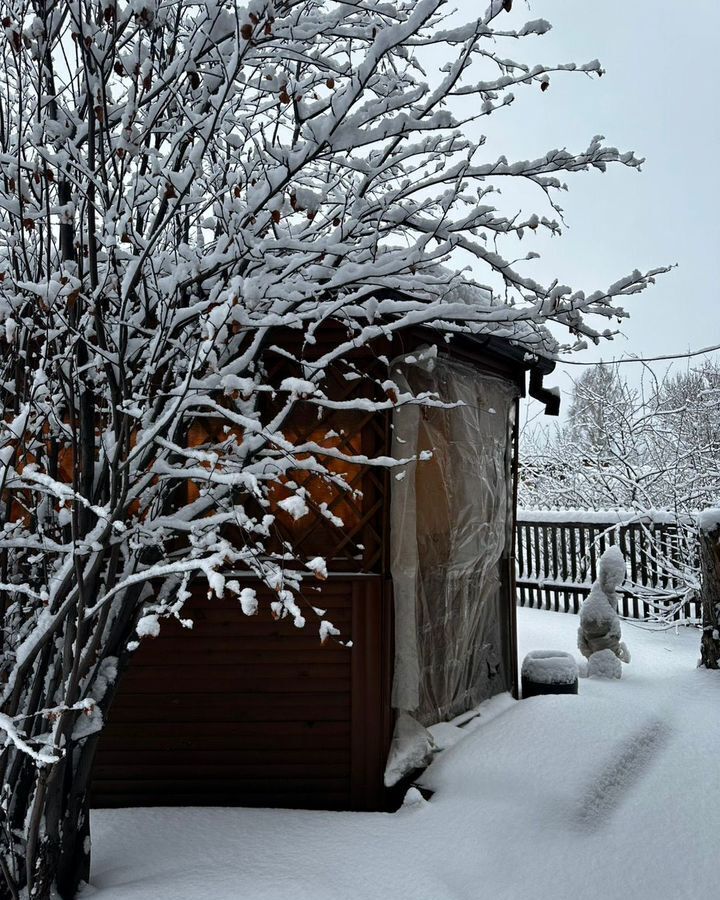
[[451, 521]]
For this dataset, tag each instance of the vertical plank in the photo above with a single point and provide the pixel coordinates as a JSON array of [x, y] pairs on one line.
[[564, 563], [602, 540], [622, 543], [536, 549], [366, 741], [631, 531], [593, 553], [582, 562], [519, 549], [576, 602], [538, 566], [644, 576], [528, 546]]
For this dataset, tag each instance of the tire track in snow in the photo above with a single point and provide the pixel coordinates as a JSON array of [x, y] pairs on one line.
[[630, 762]]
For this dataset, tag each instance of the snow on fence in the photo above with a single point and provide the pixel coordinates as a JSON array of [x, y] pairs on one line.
[[557, 552]]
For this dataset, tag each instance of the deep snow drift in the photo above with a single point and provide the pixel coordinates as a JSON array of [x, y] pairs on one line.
[[611, 793]]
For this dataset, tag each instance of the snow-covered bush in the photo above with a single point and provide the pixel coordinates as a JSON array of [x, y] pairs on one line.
[[178, 182], [599, 634]]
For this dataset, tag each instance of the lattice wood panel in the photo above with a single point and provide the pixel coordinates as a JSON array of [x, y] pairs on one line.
[[358, 544]]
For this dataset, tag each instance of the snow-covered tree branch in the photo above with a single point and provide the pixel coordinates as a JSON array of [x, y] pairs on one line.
[[180, 183], [655, 446]]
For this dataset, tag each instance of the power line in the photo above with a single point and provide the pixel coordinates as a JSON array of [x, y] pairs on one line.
[[638, 359]]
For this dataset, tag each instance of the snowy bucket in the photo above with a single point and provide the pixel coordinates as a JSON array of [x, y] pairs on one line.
[[549, 672]]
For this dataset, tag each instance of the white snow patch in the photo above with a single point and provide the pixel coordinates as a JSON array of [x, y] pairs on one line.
[[319, 567], [148, 626], [709, 520], [556, 796], [248, 601], [604, 664], [294, 506]]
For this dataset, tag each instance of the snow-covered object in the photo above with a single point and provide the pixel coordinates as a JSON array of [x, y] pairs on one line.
[[709, 520], [604, 664], [295, 506], [412, 748], [550, 667], [148, 626], [318, 567], [599, 621], [248, 601], [413, 798], [603, 516]]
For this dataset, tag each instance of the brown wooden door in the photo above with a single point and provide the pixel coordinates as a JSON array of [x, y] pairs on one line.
[[250, 711]]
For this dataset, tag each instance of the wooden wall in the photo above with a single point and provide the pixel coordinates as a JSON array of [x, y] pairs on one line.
[[250, 711]]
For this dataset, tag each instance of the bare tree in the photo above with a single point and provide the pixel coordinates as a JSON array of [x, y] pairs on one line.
[[654, 446], [600, 398], [598, 458], [687, 434], [179, 181], [646, 449]]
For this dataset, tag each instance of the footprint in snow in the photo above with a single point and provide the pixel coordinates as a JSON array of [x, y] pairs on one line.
[[613, 781]]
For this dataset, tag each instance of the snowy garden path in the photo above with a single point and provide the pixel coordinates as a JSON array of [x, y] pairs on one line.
[[613, 793]]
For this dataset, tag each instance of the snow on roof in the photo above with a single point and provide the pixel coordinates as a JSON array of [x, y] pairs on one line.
[[496, 318]]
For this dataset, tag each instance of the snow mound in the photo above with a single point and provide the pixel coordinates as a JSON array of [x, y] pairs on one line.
[[604, 664], [412, 748]]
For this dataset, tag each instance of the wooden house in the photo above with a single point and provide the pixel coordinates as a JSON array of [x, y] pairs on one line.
[[248, 710]]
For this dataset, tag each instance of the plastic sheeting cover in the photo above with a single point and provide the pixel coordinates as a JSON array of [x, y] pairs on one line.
[[451, 522]]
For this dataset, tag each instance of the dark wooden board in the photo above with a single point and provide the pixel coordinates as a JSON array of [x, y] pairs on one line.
[[250, 710]]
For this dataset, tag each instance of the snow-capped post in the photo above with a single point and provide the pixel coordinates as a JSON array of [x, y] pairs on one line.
[[599, 632], [178, 181], [709, 533]]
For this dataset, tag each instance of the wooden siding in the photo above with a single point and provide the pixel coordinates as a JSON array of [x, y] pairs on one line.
[[250, 711]]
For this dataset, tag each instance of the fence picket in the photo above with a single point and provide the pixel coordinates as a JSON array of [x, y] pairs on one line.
[[557, 564]]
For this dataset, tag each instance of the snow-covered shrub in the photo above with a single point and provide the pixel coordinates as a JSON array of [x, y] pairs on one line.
[[599, 634]]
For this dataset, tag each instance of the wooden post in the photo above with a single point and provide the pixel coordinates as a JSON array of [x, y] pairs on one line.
[[709, 539]]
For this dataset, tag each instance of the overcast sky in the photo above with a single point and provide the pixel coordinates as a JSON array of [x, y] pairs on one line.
[[659, 98]]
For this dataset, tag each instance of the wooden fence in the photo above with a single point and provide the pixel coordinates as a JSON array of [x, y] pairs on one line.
[[557, 564]]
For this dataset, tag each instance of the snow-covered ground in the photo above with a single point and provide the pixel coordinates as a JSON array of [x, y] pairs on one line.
[[612, 793]]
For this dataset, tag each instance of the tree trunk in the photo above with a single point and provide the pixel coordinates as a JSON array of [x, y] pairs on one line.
[[710, 576], [54, 856]]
